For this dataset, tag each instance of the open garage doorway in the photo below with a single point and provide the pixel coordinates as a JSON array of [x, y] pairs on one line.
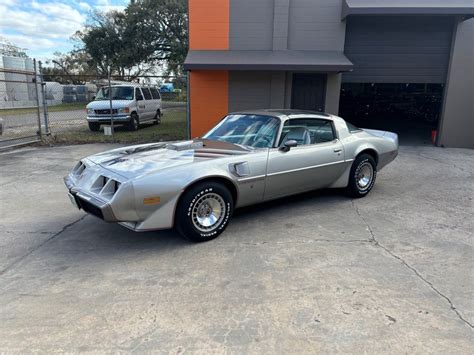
[[410, 110]]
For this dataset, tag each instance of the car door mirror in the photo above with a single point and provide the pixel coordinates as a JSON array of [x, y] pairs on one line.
[[139, 98], [288, 145]]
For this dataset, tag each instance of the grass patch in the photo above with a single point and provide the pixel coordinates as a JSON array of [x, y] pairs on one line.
[[172, 127], [56, 108]]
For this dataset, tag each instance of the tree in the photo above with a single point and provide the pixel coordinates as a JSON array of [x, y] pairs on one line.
[[161, 30], [133, 42], [74, 67]]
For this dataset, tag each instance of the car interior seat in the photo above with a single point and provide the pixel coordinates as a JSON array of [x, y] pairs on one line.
[[299, 134]]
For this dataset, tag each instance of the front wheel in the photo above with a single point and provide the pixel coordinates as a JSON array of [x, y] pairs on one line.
[[134, 123], [94, 126], [204, 211], [362, 176]]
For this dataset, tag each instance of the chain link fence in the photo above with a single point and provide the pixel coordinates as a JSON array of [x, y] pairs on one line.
[[21, 102], [33, 107]]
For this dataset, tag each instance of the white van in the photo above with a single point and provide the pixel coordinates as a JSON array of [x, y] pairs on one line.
[[132, 104]]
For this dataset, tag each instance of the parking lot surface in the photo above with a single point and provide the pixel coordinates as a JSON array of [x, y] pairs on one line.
[[390, 273]]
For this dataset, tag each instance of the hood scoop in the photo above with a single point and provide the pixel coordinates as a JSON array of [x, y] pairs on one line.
[[186, 145]]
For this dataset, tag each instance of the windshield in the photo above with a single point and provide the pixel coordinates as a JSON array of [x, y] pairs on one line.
[[118, 93], [250, 130]]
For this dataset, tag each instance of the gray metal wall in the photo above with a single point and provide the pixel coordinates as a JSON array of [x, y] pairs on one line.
[[394, 49], [251, 25], [281, 25], [249, 90], [457, 120], [316, 25]]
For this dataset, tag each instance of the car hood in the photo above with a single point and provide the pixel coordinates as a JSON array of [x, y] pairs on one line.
[[139, 160], [105, 104]]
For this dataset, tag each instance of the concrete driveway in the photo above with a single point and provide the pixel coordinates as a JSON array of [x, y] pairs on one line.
[[391, 273]]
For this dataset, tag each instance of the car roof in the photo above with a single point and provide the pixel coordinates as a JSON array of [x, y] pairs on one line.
[[285, 113]]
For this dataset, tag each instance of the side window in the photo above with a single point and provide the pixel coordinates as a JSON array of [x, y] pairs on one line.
[[155, 93], [138, 94], [318, 130], [352, 128], [146, 93]]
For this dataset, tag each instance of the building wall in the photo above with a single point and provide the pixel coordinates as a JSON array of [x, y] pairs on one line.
[[209, 99], [208, 96], [251, 30], [457, 121], [281, 25], [209, 24], [316, 25], [397, 49]]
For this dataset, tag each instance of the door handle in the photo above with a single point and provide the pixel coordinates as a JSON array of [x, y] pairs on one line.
[[337, 150]]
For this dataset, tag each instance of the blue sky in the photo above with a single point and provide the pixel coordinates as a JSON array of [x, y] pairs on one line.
[[44, 27]]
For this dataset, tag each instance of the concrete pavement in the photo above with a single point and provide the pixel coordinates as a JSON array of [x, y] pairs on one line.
[[390, 273]]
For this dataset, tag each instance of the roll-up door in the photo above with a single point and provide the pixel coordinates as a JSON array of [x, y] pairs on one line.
[[396, 49]]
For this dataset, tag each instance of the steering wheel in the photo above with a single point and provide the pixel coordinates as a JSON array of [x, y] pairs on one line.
[[263, 141]]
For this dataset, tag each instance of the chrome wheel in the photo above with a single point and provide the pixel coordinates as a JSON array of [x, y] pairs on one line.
[[365, 175], [208, 212]]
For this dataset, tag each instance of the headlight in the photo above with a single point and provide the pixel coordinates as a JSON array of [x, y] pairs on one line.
[[124, 110], [90, 111]]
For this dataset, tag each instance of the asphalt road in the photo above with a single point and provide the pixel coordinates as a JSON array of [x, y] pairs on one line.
[[390, 273]]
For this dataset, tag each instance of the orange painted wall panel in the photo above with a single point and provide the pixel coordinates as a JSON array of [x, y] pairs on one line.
[[208, 99], [209, 24]]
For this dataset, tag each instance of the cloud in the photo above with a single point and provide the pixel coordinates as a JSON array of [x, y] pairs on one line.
[[85, 6], [45, 26]]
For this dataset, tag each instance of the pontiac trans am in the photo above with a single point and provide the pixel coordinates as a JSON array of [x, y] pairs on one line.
[[247, 158]]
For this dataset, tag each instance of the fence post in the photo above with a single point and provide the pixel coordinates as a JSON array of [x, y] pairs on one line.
[[35, 81], [45, 103], [110, 104]]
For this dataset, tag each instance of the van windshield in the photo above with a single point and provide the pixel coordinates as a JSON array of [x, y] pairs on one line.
[[118, 93]]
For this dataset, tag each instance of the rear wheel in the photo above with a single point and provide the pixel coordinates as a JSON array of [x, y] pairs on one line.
[[204, 211], [94, 126], [134, 123], [362, 176], [157, 118]]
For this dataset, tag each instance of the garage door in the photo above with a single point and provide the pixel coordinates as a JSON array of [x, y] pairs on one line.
[[398, 49]]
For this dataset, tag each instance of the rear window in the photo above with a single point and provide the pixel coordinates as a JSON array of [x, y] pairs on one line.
[[155, 93], [146, 93], [352, 128]]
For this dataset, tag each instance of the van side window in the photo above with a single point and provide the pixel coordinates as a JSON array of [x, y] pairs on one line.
[[147, 94], [138, 94], [155, 93]]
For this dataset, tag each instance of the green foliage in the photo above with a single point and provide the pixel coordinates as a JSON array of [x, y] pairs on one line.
[[133, 42]]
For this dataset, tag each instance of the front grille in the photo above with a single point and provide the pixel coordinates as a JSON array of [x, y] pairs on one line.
[[105, 111], [89, 207]]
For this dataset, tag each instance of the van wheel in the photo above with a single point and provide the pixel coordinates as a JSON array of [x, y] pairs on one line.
[[157, 118], [94, 126], [134, 123]]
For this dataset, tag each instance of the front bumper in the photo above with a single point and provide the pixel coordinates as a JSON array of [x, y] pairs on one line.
[[91, 204], [106, 119]]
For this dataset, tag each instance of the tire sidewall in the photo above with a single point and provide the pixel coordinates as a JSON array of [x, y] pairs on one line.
[[133, 123], [358, 163], [183, 221]]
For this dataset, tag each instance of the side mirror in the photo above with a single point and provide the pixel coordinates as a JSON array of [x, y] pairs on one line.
[[139, 98], [93, 98], [288, 145]]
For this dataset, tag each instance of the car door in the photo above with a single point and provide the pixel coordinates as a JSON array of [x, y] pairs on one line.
[[307, 166]]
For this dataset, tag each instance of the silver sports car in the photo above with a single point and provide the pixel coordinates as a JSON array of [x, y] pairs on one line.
[[247, 158]]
